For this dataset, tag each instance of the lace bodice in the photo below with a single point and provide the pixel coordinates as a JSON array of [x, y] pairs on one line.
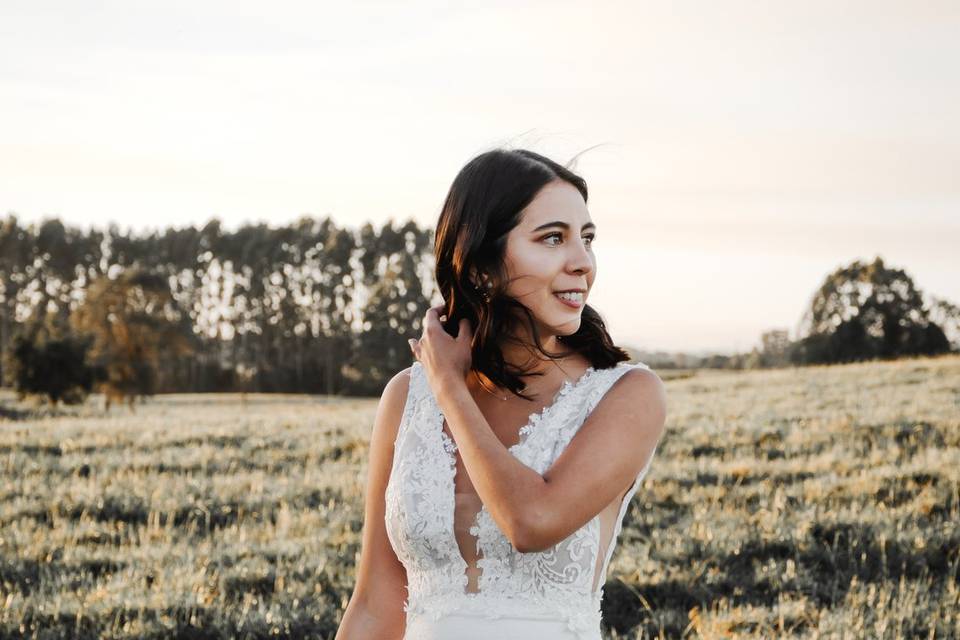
[[557, 583]]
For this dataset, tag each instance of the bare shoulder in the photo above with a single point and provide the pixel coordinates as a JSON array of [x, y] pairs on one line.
[[642, 379], [393, 400], [399, 382], [641, 394]]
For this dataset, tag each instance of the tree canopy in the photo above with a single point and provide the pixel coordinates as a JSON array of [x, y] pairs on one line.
[[864, 311], [46, 360]]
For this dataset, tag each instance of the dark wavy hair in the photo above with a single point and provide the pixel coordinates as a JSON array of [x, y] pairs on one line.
[[484, 203]]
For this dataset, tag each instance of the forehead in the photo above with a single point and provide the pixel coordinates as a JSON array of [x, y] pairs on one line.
[[558, 200]]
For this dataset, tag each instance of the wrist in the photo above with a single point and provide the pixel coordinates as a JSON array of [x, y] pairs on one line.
[[452, 388]]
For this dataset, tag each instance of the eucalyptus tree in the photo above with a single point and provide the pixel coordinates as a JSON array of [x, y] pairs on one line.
[[15, 242], [395, 301], [309, 306]]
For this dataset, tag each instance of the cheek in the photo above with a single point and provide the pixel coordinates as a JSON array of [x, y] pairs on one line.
[[529, 271]]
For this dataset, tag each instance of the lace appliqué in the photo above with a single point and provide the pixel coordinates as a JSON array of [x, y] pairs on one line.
[[554, 583]]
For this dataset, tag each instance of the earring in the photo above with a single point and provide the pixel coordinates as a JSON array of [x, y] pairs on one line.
[[484, 294], [480, 290]]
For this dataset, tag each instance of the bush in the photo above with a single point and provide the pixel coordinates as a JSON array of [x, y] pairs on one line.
[[52, 366]]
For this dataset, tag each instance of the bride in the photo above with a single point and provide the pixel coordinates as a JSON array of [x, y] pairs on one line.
[[502, 461]]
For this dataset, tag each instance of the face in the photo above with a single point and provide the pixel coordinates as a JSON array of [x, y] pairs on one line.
[[549, 251]]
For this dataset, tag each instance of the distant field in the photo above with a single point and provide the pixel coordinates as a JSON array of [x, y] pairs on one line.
[[819, 502]]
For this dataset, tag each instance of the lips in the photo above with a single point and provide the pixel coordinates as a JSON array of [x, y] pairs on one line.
[[571, 299]]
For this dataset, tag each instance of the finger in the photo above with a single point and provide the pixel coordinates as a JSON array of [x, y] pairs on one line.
[[465, 329], [431, 320]]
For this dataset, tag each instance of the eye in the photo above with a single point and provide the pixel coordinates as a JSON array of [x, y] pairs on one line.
[[557, 234], [553, 235]]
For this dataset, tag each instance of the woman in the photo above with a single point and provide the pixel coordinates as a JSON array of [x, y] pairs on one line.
[[503, 460]]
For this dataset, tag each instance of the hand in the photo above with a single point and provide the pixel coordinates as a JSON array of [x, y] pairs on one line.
[[444, 358]]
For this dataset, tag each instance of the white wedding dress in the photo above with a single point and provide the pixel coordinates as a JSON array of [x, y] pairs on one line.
[[465, 581]]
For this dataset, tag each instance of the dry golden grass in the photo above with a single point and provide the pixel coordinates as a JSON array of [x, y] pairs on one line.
[[817, 503]]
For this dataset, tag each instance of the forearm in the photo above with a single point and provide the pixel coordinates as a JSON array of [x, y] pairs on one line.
[[509, 489]]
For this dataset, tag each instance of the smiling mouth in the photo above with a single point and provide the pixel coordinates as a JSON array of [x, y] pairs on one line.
[[571, 299]]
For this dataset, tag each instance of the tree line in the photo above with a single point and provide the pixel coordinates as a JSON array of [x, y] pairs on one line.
[[309, 307], [316, 308]]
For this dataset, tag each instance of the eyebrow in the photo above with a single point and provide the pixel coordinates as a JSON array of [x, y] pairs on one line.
[[563, 225]]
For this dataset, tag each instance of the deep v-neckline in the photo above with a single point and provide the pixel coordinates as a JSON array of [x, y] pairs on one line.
[[448, 451], [526, 431]]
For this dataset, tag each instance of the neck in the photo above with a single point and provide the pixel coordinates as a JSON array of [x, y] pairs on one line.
[[518, 354], [525, 355]]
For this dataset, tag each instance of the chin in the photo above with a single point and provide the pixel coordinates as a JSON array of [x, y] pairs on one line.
[[565, 330]]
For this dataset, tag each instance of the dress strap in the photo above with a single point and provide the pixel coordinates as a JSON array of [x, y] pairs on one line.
[[593, 392], [411, 406], [604, 382]]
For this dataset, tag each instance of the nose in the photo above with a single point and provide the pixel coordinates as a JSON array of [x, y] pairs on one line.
[[579, 260]]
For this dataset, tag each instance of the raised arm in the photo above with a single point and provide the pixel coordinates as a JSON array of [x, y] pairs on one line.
[[601, 461], [375, 609]]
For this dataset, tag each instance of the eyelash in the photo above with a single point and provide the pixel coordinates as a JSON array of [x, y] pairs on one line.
[[590, 237]]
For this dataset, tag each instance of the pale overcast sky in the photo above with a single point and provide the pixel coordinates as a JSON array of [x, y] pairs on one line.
[[747, 148]]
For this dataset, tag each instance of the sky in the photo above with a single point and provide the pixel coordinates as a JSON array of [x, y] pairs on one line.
[[736, 153]]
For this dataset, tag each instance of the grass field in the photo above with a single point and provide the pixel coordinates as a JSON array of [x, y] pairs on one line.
[[813, 503]]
